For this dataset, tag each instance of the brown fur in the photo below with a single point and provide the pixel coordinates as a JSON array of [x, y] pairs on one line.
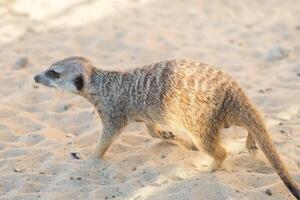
[[176, 95]]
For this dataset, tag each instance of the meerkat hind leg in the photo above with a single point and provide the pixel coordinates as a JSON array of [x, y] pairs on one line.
[[210, 143], [251, 145], [170, 137]]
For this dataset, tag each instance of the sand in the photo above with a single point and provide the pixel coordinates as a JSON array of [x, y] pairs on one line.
[[257, 42]]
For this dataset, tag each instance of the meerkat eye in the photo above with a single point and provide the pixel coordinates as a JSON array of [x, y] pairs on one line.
[[53, 74], [78, 82]]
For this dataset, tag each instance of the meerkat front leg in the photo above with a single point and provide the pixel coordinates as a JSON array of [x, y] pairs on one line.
[[169, 137], [109, 134]]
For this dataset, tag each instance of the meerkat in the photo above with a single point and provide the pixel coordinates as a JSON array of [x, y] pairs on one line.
[[180, 95]]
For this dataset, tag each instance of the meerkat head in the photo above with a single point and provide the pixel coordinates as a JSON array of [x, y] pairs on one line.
[[70, 74]]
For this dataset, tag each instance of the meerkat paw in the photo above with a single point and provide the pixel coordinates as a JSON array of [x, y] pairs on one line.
[[252, 148], [207, 169], [214, 166], [251, 145]]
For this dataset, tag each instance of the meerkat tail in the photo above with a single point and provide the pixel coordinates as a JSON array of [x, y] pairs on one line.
[[252, 120]]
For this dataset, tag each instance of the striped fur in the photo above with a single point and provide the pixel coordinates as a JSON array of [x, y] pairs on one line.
[[172, 95]]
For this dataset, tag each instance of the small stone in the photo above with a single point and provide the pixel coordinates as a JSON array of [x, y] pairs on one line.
[[134, 169], [265, 90], [268, 192], [79, 178], [286, 131], [75, 155], [67, 106], [277, 53], [163, 156], [18, 170], [113, 196], [21, 62]]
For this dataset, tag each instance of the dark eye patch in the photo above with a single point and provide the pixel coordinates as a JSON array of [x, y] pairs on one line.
[[53, 74], [78, 82]]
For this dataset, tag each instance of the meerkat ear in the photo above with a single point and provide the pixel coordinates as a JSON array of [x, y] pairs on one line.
[[78, 82]]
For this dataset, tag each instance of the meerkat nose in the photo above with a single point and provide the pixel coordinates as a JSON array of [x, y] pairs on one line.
[[37, 78]]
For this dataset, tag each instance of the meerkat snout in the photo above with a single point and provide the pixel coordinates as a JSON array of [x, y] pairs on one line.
[[37, 78], [44, 79]]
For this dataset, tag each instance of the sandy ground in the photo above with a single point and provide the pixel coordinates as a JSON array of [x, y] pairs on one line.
[[257, 42]]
